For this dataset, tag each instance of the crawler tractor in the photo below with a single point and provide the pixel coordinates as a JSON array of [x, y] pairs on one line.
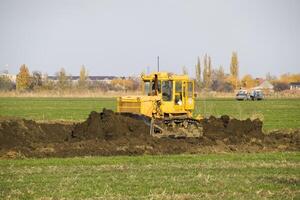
[[168, 100]]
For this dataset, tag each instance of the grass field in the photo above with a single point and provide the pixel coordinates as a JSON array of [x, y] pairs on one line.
[[210, 176], [276, 113], [214, 176]]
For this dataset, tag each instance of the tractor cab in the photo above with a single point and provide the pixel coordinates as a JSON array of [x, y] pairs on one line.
[[176, 92]]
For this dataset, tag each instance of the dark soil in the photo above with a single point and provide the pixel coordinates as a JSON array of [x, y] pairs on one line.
[[108, 133]]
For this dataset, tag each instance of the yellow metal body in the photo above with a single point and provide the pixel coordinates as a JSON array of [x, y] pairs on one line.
[[165, 95]]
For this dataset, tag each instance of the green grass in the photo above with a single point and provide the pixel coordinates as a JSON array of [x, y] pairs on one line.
[[276, 113], [214, 176], [73, 109]]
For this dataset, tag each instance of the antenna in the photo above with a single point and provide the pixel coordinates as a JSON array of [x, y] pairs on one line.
[[158, 63]]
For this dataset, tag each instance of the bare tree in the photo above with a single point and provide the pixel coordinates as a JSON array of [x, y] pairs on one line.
[[82, 83], [198, 74], [36, 80], [63, 80]]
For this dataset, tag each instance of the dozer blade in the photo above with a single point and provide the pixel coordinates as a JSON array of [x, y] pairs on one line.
[[176, 128]]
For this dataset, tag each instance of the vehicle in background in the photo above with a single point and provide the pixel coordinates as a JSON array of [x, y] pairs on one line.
[[256, 95], [242, 95]]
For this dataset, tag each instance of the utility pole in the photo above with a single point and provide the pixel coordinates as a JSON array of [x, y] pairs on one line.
[[158, 63]]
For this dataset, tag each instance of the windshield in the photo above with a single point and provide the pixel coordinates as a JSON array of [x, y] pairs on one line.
[[242, 92]]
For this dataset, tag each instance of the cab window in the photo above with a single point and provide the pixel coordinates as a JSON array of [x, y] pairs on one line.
[[147, 87], [190, 89], [178, 87], [167, 87], [158, 85], [178, 91]]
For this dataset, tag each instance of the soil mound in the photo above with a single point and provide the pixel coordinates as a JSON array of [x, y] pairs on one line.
[[22, 132], [109, 125], [109, 133], [225, 126]]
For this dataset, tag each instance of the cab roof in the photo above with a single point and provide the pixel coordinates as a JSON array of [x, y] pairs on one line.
[[164, 76]]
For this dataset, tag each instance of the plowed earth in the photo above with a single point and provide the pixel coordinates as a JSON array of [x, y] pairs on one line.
[[108, 133]]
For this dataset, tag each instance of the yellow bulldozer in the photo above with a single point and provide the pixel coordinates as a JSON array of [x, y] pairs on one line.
[[168, 100]]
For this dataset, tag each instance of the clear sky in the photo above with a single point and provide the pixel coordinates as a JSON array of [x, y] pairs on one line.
[[124, 37]]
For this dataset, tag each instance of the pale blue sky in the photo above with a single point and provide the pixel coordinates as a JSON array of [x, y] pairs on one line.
[[124, 37]]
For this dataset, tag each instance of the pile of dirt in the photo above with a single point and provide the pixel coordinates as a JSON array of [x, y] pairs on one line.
[[225, 126], [22, 132], [109, 133], [109, 125]]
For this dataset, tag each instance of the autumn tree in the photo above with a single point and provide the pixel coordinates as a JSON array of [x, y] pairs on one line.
[[23, 78], [288, 78], [248, 82], [218, 79], [82, 83], [234, 69], [125, 84], [198, 74]]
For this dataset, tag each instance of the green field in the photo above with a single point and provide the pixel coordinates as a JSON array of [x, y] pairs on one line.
[[276, 113], [214, 176], [203, 176]]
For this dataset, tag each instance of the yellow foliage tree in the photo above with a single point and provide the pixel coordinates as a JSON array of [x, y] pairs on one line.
[[82, 83], [248, 82], [288, 78], [234, 69], [126, 84], [23, 78], [232, 80]]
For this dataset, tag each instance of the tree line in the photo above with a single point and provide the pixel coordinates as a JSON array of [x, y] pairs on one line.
[[36, 81], [210, 79], [207, 78], [216, 79]]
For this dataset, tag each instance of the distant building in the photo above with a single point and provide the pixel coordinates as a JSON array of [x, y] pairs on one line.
[[75, 79], [11, 77], [265, 85], [295, 86], [259, 80], [106, 79]]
